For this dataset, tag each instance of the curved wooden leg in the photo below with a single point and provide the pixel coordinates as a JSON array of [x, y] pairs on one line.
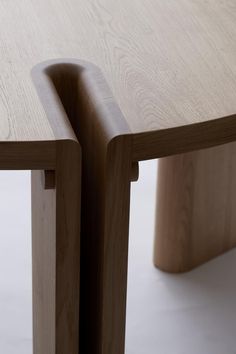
[[196, 207], [107, 169]]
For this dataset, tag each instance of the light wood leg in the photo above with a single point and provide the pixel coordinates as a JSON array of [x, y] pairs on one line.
[[196, 207], [55, 248]]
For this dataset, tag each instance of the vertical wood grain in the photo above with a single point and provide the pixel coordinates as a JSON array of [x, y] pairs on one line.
[[44, 265], [105, 227], [196, 207], [56, 255], [107, 169]]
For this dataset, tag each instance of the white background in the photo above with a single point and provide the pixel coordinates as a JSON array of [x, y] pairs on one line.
[[192, 313]]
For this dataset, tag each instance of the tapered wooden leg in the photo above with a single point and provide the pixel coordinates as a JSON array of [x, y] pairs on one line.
[[55, 246], [196, 207]]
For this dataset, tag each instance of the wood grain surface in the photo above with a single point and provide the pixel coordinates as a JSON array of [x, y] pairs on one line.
[[168, 63], [107, 169], [56, 234], [81, 93], [56, 255], [170, 66], [196, 207]]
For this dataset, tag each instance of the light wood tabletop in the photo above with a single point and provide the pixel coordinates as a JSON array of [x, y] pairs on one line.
[[168, 63], [127, 80]]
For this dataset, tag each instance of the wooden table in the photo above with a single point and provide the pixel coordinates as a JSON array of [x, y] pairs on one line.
[[166, 88]]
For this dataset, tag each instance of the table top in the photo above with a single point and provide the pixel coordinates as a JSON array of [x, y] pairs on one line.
[[168, 63]]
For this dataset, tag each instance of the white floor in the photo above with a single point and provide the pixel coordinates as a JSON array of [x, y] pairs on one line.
[[194, 313], [15, 263]]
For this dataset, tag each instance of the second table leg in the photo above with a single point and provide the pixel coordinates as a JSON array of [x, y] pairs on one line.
[[196, 207]]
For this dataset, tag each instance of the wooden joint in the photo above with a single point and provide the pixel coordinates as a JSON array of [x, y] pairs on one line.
[[48, 179], [134, 172]]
